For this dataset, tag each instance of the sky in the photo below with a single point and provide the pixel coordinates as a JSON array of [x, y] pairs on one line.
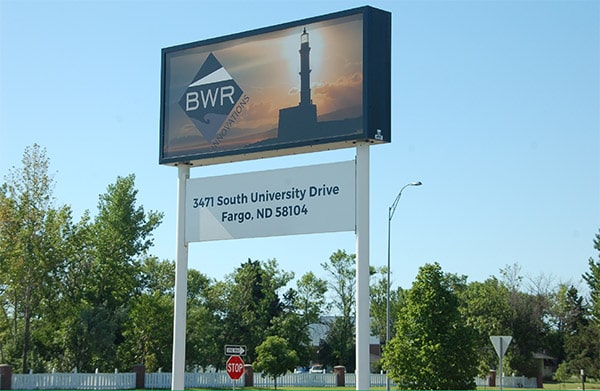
[[495, 109]]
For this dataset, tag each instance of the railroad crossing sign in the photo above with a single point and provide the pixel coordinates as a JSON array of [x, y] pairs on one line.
[[235, 367], [235, 350]]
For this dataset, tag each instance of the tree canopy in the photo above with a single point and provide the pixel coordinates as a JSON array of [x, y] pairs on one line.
[[89, 294], [433, 348], [275, 357]]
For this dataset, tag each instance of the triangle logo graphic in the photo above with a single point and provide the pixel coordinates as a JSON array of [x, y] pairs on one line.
[[210, 97]]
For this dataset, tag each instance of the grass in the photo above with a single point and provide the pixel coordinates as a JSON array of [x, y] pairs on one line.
[[547, 386], [551, 386], [572, 386]]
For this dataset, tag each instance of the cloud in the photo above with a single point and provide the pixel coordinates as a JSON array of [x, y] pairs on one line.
[[260, 114], [343, 93]]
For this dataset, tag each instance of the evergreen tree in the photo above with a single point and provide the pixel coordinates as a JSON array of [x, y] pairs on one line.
[[252, 302], [580, 338], [593, 280], [582, 343]]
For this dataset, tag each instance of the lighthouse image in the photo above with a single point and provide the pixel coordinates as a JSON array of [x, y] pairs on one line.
[[304, 70], [300, 122], [301, 119]]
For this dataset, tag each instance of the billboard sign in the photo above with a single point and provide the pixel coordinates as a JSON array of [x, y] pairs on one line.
[[309, 85], [290, 201]]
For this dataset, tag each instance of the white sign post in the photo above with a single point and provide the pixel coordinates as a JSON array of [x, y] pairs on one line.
[[181, 271], [500, 343], [331, 197], [210, 114], [363, 373]]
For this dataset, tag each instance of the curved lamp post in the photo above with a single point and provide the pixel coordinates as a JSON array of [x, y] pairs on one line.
[[391, 211]]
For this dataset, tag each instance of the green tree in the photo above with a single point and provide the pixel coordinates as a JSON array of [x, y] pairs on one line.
[[32, 242], [251, 302], [526, 322], [308, 304], [117, 241], [148, 332], [123, 236], [431, 334], [341, 270], [582, 341], [567, 315], [291, 326], [67, 291], [593, 280], [204, 339], [579, 336], [148, 329], [378, 306], [485, 309], [159, 276], [528, 331], [309, 300], [274, 357], [63, 315], [583, 351]]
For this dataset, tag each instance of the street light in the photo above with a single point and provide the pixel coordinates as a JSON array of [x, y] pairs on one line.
[[391, 211]]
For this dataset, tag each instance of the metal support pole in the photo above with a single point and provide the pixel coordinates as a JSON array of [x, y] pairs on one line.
[[181, 266], [363, 381], [388, 312], [501, 374], [388, 321]]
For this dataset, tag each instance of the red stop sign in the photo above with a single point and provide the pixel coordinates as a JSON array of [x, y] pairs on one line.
[[235, 367]]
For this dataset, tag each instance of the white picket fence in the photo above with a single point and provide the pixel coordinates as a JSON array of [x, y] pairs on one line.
[[73, 381], [297, 380], [509, 382], [220, 379], [162, 380]]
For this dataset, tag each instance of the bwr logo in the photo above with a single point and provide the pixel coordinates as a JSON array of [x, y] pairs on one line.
[[210, 98]]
